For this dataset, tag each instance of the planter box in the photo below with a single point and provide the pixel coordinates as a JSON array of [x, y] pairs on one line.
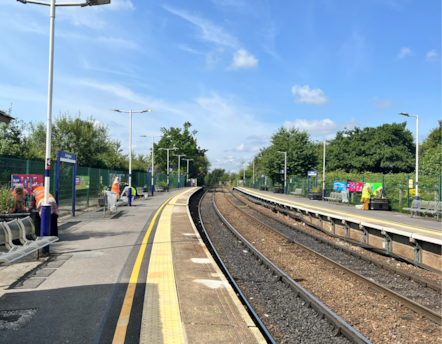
[[101, 201], [315, 196], [262, 188], [278, 190], [379, 204]]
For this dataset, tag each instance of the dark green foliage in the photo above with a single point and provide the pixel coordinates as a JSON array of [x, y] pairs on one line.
[[186, 142], [383, 149], [302, 155], [430, 152]]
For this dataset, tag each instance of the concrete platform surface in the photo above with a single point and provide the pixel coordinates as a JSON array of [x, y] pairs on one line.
[[419, 228]]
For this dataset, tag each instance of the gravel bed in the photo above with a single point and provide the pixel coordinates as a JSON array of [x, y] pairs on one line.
[[286, 316], [378, 318], [409, 268], [427, 297]]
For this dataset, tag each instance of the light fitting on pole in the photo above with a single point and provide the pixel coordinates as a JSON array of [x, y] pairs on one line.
[[404, 114], [115, 110], [98, 2]]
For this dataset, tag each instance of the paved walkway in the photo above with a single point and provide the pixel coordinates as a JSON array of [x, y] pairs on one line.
[[425, 227], [113, 280]]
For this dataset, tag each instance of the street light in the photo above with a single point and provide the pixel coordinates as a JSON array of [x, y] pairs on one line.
[[179, 167], [187, 178], [46, 207], [416, 197], [253, 181], [168, 149], [152, 186], [323, 175], [285, 171], [130, 139]]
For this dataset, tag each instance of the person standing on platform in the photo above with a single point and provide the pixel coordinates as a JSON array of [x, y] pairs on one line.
[[36, 201], [116, 187], [366, 194], [130, 192], [378, 192], [19, 195]]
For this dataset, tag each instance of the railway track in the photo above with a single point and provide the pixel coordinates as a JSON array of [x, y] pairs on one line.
[[341, 258], [376, 316], [296, 315]]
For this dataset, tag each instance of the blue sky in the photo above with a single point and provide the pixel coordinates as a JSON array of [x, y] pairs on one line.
[[236, 69]]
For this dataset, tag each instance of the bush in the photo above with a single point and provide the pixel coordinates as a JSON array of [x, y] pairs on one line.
[[6, 200], [163, 184]]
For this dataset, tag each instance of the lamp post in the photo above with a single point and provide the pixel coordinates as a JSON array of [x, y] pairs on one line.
[[130, 139], [253, 181], [46, 207], [168, 149], [179, 167], [187, 177], [416, 197], [285, 171], [152, 186], [323, 175]]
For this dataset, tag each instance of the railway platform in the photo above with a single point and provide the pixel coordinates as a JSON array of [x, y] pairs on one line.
[[141, 276], [412, 238]]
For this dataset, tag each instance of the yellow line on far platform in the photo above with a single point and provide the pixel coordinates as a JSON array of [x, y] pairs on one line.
[[123, 320]]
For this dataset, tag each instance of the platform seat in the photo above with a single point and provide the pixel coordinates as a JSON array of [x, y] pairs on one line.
[[141, 193], [297, 192]]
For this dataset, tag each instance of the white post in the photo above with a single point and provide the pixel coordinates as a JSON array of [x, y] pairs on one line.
[[152, 187], [285, 173], [130, 150], [253, 185], [167, 169], [187, 178], [416, 197], [46, 211], [323, 174], [179, 170], [244, 177]]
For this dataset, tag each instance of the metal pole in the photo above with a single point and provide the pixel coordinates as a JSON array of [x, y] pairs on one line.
[[187, 179], [416, 197], [285, 173], [167, 170], [46, 208], [253, 184], [179, 170], [244, 177], [323, 174], [130, 151], [152, 187]]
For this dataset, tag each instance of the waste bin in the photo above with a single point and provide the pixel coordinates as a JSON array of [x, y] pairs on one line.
[[379, 204]]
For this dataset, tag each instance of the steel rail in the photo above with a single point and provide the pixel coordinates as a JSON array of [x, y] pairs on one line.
[[424, 282], [232, 281], [343, 327], [429, 314]]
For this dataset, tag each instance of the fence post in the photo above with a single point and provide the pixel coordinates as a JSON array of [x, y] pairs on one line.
[[408, 192], [440, 186], [89, 175], [27, 166], [400, 194]]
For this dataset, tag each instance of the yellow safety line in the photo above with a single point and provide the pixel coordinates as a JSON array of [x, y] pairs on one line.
[[433, 231], [123, 320]]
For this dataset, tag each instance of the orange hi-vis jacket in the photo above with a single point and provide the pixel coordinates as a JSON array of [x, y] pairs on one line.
[[39, 194], [14, 208], [116, 188]]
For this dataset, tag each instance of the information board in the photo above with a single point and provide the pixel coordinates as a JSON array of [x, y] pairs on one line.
[[27, 180], [340, 186], [354, 186], [82, 182]]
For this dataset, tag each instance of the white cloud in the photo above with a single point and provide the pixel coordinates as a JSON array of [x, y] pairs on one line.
[[384, 103], [303, 94], [269, 34], [324, 128], [432, 55], [208, 31], [189, 49], [245, 148], [404, 52], [243, 59]]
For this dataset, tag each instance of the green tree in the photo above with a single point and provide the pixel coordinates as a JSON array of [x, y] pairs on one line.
[[302, 154], [186, 143], [430, 152], [383, 149], [13, 140]]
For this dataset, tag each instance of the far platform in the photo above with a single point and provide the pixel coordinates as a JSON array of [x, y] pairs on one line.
[[418, 228]]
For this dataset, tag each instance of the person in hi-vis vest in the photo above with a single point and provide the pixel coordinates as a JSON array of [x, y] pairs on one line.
[[116, 186], [366, 194]]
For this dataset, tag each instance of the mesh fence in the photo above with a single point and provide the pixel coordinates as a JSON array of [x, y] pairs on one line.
[[396, 186], [91, 181]]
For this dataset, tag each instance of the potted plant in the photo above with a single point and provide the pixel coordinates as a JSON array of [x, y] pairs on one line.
[[103, 188], [315, 193], [278, 188]]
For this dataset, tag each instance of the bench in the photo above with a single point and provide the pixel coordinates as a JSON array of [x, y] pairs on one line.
[[24, 231], [338, 197], [297, 192], [425, 207], [159, 188], [140, 193]]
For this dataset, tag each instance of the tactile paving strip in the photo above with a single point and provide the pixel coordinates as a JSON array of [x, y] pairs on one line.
[[161, 322]]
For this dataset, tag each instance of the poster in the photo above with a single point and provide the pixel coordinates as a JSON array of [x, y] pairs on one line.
[[82, 182], [410, 183], [340, 186], [354, 186], [374, 186], [27, 180]]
